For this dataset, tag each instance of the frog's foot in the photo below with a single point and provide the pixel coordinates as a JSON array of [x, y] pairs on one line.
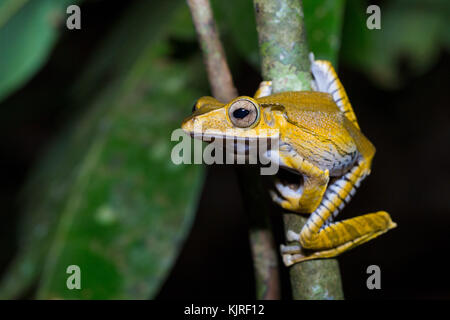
[[287, 195], [295, 253], [326, 80], [312, 60], [292, 236], [264, 90], [295, 257], [292, 254]]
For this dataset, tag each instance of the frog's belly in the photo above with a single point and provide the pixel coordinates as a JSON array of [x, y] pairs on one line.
[[336, 163]]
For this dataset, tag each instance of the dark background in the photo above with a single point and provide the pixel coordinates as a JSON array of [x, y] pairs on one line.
[[410, 177]]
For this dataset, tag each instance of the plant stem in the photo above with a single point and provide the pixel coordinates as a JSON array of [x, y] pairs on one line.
[[261, 240], [265, 255], [219, 74], [285, 62]]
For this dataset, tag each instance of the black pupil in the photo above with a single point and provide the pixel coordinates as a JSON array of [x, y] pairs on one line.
[[240, 113]]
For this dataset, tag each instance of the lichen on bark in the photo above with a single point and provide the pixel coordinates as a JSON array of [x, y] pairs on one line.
[[284, 55]]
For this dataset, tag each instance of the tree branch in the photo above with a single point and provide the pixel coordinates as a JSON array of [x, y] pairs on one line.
[[261, 240], [219, 74], [284, 53]]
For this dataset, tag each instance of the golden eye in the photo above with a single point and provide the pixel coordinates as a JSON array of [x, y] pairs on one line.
[[243, 113]]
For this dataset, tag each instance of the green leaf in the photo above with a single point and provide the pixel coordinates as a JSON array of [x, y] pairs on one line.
[[323, 23], [108, 198], [236, 21], [28, 30], [412, 32]]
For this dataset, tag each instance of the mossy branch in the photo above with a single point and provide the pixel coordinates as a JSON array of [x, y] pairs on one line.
[[284, 53], [261, 240]]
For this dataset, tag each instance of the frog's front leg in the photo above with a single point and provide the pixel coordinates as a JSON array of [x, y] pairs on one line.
[[306, 198]]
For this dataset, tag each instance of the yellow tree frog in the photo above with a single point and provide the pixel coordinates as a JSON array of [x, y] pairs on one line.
[[320, 140]]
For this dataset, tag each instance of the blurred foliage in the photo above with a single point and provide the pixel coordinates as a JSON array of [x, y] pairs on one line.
[[412, 30], [412, 34], [323, 20], [28, 30], [107, 196]]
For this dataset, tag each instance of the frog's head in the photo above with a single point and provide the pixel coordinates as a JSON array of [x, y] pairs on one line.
[[241, 118]]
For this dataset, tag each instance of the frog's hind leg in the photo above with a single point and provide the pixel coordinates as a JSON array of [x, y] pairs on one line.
[[326, 80], [374, 224], [323, 238]]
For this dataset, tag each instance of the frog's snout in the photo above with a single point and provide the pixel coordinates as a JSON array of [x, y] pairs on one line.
[[188, 125]]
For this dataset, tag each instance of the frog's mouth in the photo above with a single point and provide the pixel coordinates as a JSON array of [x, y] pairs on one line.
[[238, 145]]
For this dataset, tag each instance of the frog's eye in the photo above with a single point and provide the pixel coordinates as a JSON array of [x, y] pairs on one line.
[[243, 113]]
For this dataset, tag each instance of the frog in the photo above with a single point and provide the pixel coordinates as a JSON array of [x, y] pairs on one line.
[[320, 141]]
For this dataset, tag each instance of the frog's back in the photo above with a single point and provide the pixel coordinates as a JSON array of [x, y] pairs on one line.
[[310, 110], [327, 137], [317, 111]]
